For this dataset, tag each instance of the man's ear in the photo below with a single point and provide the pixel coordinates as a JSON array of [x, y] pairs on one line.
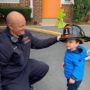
[[10, 26]]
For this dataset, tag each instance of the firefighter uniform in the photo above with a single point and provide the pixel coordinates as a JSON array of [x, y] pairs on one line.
[[17, 70]]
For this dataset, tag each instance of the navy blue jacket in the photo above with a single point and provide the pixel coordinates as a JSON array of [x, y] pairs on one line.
[[15, 53], [74, 62]]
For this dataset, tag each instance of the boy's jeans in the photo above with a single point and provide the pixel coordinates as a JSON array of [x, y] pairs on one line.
[[74, 86]]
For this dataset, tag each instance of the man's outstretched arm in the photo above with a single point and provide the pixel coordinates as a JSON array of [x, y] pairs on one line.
[[43, 43]]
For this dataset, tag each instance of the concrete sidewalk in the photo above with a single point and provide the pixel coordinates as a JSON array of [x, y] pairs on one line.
[[53, 56], [55, 79]]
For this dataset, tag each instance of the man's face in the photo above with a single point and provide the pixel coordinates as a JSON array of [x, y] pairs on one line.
[[71, 44], [18, 28]]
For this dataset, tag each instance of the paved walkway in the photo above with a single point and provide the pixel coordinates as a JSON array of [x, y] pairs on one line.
[[53, 56]]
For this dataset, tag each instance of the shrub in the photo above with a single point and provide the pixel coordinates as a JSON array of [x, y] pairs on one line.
[[80, 8], [25, 11]]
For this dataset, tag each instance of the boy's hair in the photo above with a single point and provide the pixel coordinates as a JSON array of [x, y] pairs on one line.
[[78, 40]]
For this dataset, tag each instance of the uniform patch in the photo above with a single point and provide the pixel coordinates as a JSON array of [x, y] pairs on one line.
[[26, 40], [15, 48]]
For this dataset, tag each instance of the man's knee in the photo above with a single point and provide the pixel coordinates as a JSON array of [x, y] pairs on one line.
[[38, 66], [44, 68], [39, 70]]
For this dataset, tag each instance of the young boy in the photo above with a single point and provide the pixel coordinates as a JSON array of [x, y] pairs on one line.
[[74, 60]]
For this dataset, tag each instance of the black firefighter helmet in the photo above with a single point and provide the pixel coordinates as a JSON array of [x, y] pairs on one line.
[[72, 31]]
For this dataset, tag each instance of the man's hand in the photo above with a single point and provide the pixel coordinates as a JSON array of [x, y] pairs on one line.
[[71, 81]]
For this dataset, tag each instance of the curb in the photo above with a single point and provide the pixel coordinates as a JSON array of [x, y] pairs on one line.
[[44, 31], [50, 32]]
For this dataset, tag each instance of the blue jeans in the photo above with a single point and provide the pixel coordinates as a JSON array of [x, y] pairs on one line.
[[74, 86]]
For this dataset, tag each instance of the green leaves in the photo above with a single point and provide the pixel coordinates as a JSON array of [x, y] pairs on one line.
[[80, 8], [25, 11]]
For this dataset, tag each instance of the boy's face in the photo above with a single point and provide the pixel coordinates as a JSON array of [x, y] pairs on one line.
[[71, 44]]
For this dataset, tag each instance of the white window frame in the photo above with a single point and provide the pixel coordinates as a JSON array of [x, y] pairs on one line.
[[67, 1], [9, 1], [31, 6]]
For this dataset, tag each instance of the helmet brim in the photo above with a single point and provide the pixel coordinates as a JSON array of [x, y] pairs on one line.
[[86, 39], [81, 39]]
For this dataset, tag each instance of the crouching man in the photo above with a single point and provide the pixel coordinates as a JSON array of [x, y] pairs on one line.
[[17, 70]]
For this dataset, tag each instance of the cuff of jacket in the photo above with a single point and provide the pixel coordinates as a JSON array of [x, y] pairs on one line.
[[73, 77]]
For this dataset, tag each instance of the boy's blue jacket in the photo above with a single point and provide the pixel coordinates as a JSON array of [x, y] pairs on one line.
[[74, 63]]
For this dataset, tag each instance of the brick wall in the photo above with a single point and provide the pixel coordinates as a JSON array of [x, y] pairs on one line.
[[23, 3], [68, 11], [37, 10]]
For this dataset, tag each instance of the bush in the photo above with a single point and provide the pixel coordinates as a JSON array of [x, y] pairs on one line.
[[25, 11], [80, 9]]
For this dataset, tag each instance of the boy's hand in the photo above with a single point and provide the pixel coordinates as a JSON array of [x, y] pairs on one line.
[[71, 81]]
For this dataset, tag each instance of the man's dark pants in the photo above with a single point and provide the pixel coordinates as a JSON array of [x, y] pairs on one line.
[[34, 72], [74, 86]]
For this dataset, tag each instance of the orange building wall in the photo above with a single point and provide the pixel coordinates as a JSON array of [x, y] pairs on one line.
[[50, 8]]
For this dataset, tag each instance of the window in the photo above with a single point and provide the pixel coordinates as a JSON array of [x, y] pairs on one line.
[[67, 1], [9, 1]]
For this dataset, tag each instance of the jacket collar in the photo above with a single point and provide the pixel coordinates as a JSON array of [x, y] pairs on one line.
[[12, 38]]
